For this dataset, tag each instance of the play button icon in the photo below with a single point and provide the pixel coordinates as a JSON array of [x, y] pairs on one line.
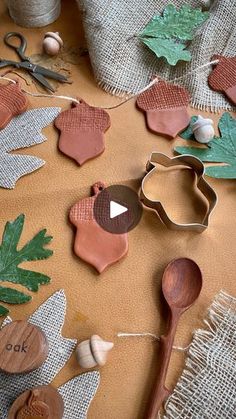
[[117, 209]]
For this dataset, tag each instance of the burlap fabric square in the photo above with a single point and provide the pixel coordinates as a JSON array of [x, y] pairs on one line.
[[122, 64], [207, 387]]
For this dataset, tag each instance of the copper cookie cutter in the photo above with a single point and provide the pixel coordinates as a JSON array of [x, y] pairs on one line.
[[189, 162]]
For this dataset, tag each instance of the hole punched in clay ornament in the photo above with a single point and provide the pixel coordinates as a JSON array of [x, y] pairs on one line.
[[93, 244]]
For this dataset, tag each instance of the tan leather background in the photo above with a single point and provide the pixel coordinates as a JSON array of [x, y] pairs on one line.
[[127, 296]]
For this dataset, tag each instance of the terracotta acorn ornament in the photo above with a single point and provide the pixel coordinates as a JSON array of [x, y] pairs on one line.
[[223, 77], [93, 352], [165, 105], [203, 130], [43, 402], [12, 102], [93, 244], [82, 131]]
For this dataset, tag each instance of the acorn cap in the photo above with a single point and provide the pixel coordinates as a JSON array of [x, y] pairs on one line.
[[82, 117], [54, 35], [100, 349], [223, 75], [201, 122]]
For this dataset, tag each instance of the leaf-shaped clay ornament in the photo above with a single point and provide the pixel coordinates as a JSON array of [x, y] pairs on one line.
[[82, 131], [93, 244], [166, 35], [23, 131], [165, 105], [223, 77]]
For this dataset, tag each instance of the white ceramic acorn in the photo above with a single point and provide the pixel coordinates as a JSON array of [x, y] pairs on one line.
[[93, 352], [203, 130], [52, 43]]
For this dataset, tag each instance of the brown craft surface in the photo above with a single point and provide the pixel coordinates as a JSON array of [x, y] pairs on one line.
[[23, 347], [125, 297], [43, 402]]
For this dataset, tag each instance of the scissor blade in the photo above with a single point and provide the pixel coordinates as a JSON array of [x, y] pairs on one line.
[[42, 81], [48, 73]]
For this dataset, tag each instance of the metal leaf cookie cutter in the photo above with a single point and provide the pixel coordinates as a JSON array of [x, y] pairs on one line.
[[188, 162]]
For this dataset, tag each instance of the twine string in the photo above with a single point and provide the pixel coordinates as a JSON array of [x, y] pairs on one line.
[[154, 81], [29, 13], [151, 335]]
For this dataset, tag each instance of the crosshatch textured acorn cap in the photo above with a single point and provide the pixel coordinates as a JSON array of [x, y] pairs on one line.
[[83, 117], [163, 95], [224, 74]]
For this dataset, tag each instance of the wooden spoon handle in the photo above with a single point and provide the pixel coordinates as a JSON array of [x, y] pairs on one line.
[[160, 392]]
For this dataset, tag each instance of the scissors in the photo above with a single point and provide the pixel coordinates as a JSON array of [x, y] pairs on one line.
[[37, 72]]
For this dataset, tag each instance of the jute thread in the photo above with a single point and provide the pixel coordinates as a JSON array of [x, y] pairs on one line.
[[34, 13]]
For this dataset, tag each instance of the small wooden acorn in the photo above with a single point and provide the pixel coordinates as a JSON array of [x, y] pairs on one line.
[[93, 352], [203, 130], [52, 43]]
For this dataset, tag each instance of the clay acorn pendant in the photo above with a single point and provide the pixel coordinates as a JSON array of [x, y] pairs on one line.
[[223, 77], [12, 102], [93, 244], [82, 131], [165, 105]]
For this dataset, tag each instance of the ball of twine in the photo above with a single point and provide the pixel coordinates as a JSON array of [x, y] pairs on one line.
[[34, 13]]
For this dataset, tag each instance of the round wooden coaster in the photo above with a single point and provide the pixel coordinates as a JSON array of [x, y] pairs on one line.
[[43, 402], [23, 347]]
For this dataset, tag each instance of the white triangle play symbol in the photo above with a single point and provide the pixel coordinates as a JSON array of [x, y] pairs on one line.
[[116, 209]]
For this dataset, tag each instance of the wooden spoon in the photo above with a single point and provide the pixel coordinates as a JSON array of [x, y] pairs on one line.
[[181, 286]]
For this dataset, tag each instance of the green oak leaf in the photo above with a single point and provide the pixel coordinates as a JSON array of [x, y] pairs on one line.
[[220, 150], [188, 134], [173, 23], [3, 311], [11, 296], [11, 257], [168, 48], [166, 35]]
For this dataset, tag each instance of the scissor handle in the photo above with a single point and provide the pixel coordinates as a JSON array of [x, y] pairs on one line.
[[20, 49]]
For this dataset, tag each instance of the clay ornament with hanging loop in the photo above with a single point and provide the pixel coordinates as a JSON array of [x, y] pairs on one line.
[[93, 352], [165, 105], [223, 77], [93, 244], [13, 102], [82, 131]]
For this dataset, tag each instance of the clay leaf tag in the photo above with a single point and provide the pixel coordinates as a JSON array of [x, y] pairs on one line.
[[165, 105], [92, 243], [223, 77], [167, 34], [220, 150], [82, 128], [10, 258], [23, 131]]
